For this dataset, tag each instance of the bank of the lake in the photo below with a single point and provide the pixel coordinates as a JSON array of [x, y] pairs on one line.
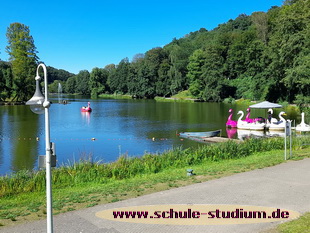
[[87, 184], [10, 103], [115, 96]]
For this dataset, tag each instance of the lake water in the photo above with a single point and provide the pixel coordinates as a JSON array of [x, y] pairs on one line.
[[130, 127]]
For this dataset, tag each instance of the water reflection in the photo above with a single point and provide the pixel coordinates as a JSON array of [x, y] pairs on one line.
[[19, 149], [245, 134], [275, 134], [231, 132], [86, 117]]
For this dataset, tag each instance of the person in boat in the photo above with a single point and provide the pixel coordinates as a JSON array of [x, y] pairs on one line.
[[86, 107], [269, 116]]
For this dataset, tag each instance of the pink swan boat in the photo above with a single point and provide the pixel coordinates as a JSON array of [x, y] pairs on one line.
[[231, 123], [86, 109], [248, 119]]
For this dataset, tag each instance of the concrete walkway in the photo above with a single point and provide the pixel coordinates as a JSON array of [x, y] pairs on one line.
[[284, 186]]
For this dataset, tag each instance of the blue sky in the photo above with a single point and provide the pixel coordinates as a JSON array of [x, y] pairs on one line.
[[78, 35]]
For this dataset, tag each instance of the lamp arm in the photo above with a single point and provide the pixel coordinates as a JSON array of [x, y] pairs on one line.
[[46, 103], [45, 79]]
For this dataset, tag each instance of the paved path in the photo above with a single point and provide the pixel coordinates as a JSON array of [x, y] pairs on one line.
[[285, 186]]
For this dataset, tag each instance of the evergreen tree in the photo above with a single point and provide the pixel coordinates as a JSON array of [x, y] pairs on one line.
[[22, 55]]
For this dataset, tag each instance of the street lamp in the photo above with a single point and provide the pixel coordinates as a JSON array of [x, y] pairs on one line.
[[38, 104]]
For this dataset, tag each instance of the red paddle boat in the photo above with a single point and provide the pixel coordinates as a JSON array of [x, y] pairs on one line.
[[86, 109]]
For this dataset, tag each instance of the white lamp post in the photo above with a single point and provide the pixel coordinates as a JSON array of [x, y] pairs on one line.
[[38, 104]]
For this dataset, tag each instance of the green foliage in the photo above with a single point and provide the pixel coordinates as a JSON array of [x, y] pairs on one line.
[[303, 103], [70, 86], [195, 66], [87, 171], [263, 56], [53, 87], [57, 74], [98, 82], [82, 82], [22, 55], [118, 77], [6, 81]]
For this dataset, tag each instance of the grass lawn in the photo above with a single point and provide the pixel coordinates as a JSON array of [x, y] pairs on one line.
[[28, 206]]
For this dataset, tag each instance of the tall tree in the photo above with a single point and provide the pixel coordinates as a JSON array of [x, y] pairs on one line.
[[98, 81], [71, 85], [22, 55], [118, 78], [82, 82], [196, 62]]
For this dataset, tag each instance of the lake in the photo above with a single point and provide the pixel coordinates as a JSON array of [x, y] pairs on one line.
[[113, 128]]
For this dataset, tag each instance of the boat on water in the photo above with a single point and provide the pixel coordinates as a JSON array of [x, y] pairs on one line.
[[241, 124], [303, 127], [271, 119], [231, 123], [200, 134], [250, 120], [86, 109], [279, 125]]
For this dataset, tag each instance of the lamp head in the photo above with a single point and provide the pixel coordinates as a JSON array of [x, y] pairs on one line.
[[37, 100]]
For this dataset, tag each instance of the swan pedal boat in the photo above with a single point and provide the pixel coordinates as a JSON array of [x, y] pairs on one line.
[[231, 123], [303, 127], [279, 125], [86, 109], [250, 126]]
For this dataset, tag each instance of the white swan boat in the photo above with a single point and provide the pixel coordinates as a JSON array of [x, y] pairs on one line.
[[250, 126], [279, 125], [303, 127], [271, 119]]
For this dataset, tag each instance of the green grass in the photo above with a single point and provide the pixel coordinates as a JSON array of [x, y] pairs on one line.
[[86, 184], [244, 102], [183, 96], [128, 167], [172, 99], [115, 96], [300, 225]]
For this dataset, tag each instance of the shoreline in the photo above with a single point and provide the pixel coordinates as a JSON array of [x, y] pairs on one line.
[[8, 103]]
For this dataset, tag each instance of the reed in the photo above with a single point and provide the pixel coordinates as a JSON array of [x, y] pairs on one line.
[[88, 171]]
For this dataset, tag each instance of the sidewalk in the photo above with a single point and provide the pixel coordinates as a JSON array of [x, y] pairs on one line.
[[284, 186]]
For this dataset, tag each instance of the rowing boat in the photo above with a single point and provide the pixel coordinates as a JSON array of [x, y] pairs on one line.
[[200, 134]]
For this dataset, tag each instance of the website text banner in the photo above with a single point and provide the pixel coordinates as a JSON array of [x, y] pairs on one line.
[[198, 214]]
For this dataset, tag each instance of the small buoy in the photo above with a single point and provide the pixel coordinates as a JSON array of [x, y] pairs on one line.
[[153, 139], [37, 138], [93, 139]]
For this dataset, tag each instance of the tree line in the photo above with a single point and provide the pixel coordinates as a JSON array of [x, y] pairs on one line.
[[262, 56]]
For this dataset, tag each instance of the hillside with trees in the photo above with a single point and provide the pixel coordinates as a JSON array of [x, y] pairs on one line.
[[262, 56]]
